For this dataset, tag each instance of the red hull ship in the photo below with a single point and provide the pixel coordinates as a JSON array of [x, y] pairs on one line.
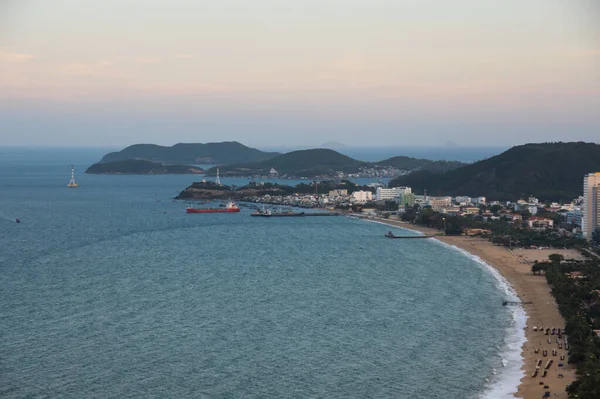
[[231, 207]]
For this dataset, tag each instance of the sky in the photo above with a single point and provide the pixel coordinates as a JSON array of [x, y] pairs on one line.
[[302, 72]]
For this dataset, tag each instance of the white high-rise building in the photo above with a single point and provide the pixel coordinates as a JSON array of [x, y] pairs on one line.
[[591, 205]]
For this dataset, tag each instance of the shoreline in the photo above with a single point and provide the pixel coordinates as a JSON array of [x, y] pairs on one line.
[[540, 310]]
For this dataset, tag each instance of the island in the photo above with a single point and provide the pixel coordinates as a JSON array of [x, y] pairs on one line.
[[141, 167], [323, 163], [223, 153]]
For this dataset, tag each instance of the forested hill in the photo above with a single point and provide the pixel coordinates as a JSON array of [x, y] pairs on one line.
[[549, 171], [301, 163], [409, 163], [192, 153]]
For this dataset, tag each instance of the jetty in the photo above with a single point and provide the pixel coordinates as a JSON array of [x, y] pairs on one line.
[[392, 235], [515, 303]]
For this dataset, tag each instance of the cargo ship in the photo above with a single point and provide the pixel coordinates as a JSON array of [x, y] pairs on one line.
[[231, 207]]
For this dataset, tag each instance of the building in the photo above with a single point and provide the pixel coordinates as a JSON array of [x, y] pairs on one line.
[[407, 199], [574, 217], [362, 196], [479, 200], [391, 194], [591, 205], [338, 193], [471, 210], [451, 210], [437, 204], [462, 200], [533, 209], [536, 222]]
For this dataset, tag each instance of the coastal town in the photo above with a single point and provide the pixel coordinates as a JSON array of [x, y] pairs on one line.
[[577, 218]]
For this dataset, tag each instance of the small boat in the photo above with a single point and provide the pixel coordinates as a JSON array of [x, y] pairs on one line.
[[18, 220], [389, 234], [230, 207]]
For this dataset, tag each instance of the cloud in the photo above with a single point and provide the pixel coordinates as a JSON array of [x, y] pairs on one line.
[[349, 64], [147, 60], [87, 69], [184, 56], [585, 53], [8, 56]]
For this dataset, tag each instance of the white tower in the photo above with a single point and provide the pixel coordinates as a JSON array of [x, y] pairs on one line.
[[72, 183], [217, 180], [591, 205]]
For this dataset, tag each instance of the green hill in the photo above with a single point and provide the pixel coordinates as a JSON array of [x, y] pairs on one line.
[[549, 171], [307, 163], [409, 163], [140, 167], [192, 153]]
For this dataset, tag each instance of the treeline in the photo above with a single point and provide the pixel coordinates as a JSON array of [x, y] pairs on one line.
[[501, 232], [578, 300]]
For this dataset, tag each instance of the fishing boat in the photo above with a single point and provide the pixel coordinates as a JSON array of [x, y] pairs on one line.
[[268, 213], [230, 207]]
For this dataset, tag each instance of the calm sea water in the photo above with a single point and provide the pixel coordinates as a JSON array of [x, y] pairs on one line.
[[111, 290]]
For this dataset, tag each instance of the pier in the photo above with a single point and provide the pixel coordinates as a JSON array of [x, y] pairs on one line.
[[515, 303], [423, 236]]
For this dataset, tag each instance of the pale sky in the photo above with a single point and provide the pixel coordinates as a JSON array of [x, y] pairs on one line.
[[302, 72]]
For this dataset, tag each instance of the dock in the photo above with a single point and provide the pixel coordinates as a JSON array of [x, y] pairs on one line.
[[423, 236], [515, 303]]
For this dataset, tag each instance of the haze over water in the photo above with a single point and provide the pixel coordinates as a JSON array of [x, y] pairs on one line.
[[111, 290]]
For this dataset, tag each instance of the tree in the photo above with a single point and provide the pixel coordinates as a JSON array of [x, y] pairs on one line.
[[538, 268], [556, 258], [495, 209]]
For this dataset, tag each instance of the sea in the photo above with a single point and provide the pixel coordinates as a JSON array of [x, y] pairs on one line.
[[110, 290]]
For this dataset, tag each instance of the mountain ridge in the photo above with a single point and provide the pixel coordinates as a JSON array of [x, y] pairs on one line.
[[323, 161], [551, 171]]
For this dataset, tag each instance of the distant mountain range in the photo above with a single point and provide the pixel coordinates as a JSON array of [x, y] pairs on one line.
[[549, 171], [140, 167], [323, 162], [192, 153], [235, 159]]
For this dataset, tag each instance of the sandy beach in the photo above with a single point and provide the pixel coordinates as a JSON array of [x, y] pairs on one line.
[[541, 309]]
